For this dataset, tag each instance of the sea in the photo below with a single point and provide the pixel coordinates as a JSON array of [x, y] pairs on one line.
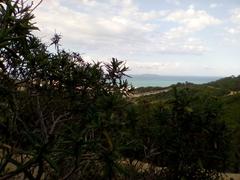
[[147, 80]]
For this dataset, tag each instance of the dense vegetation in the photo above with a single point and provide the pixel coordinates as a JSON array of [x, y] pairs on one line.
[[222, 95], [64, 118]]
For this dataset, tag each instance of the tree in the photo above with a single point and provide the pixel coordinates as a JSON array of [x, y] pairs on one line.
[[192, 139], [60, 115]]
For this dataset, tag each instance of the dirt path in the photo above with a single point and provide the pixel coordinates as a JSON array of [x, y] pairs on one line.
[[142, 166], [231, 176], [149, 93]]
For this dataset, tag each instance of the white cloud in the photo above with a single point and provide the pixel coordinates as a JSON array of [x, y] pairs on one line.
[[94, 22], [88, 2], [117, 27], [232, 32], [174, 67], [188, 23], [154, 67], [235, 16], [193, 20], [175, 2], [178, 45], [215, 5]]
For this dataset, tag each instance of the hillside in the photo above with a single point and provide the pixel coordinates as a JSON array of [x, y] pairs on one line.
[[231, 83], [225, 91]]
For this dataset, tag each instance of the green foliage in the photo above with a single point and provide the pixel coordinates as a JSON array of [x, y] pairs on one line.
[[147, 89], [198, 137], [185, 134], [219, 101], [229, 83]]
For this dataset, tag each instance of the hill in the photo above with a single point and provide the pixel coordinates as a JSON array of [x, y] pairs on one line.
[[230, 83]]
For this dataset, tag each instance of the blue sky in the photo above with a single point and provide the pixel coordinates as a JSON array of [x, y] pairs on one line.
[[166, 37]]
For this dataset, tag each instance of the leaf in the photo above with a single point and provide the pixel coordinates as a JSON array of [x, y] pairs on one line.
[[108, 140], [51, 163], [188, 109]]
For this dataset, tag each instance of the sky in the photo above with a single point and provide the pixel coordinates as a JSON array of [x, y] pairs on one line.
[[165, 37]]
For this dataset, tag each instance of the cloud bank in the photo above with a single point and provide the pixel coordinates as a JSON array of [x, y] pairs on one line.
[[121, 27]]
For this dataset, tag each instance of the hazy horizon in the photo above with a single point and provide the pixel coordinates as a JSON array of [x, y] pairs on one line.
[[149, 74], [167, 37], [146, 80]]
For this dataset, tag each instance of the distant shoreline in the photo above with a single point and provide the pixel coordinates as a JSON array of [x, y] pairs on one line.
[[153, 80]]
